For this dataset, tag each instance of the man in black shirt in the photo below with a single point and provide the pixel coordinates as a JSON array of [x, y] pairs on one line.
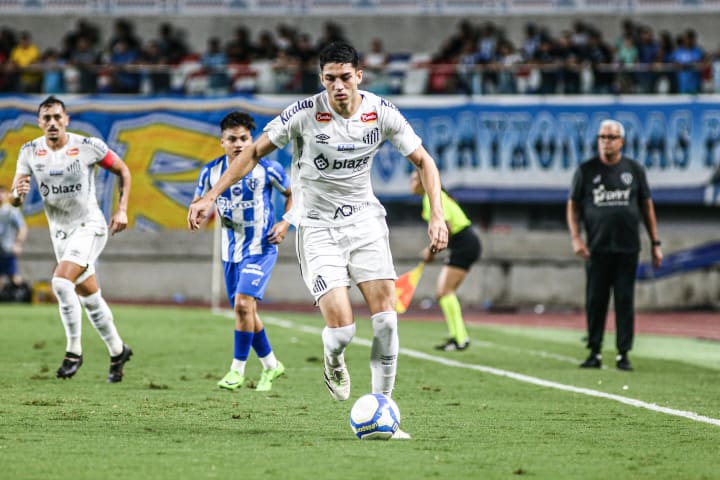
[[610, 194]]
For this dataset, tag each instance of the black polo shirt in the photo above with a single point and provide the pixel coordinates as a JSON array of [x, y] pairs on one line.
[[610, 198]]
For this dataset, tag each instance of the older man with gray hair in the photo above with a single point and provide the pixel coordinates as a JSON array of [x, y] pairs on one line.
[[610, 194]]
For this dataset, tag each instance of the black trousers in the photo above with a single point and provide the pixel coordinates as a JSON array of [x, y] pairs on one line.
[[606, 272]]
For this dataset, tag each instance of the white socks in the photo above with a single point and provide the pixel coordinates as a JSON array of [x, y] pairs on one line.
[[70, 313], [384, 353], [334, 342], [102, 319]]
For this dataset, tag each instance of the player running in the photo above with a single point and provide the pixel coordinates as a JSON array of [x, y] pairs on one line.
[[63, 165], [342, 233], [249, 244]]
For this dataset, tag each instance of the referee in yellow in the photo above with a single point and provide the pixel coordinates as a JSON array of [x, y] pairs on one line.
[[465, 248]]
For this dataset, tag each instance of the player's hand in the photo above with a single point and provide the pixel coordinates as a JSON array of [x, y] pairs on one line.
[[438, 233], [657, 256], [278, 232], [198, 212], [580, 249], [22, 187], [118, 222], [426, 255]]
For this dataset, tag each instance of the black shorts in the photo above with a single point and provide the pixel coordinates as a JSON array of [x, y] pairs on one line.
[[465, 249]]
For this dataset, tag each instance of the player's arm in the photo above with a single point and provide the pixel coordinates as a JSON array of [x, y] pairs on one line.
[[572, 217], [115, 165], [278, 231], [245, 162], [430, 178], [650, 221]]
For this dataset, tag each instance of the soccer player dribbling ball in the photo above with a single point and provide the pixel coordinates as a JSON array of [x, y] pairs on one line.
[[342, 234], [63, 165]]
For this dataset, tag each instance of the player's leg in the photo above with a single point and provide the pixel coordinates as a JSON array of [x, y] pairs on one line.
[[244, 310], [253, 280], [323, 264], [63, 286], [624, 299], [448, 282], [83, 248], [336, 336], [597, 293]]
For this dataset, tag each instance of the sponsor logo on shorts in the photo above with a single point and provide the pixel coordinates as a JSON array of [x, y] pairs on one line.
[[348, 210], [368, 117], [319, 285], [371, 136], [323, 116], [313, 214]]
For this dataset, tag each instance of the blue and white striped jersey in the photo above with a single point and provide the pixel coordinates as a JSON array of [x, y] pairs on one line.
[[245, 209]]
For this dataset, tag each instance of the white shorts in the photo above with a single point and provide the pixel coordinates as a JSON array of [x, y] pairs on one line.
[[331, 257], [81, 246]]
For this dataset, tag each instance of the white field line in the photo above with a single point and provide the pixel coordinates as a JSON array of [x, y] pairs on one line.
[[280, 322]]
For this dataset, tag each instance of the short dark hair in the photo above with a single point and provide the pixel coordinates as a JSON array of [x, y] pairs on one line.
[[237, 119], [49, 102], [339, 52]]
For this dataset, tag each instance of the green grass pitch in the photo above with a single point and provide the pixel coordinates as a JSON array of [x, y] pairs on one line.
[[514, 405]]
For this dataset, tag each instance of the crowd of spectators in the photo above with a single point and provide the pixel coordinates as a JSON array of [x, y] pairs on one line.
[[476, 59]]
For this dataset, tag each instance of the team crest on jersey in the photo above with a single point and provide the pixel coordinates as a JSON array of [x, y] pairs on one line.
[[368, 117], [74, 167], [597, 178], [626, 178], [251, 183], [323, 117], [322, 138], [371, 136], [321, 163]]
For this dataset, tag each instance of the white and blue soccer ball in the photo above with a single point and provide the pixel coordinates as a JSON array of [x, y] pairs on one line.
[[374, 417]]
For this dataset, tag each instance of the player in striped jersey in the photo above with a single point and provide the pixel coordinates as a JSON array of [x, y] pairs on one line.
[[249, 244]]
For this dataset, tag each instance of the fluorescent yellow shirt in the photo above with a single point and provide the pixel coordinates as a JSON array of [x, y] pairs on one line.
[[454, 215]]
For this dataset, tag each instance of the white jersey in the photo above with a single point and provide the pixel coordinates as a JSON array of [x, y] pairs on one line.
[[66, 180], [332, 156]]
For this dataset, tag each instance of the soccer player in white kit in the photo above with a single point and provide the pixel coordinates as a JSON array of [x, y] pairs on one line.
[[63, 165], [342, 234]]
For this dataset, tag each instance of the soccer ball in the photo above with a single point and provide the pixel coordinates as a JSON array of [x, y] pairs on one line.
[[374, 417]]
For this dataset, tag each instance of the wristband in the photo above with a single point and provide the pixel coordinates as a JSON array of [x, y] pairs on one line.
[[656, 243]]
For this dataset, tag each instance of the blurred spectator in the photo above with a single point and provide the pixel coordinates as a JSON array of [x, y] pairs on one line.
[[285, 37], [124, 31], [307, 79], [567, 56], [157, 71], [507, 60], [266, 48], [22, 57], [240, 49], [170, 44], [373, 64], [599, 55], [215, 63], [86, 60], [687, 56], [627, 58], [531, 42], [469, 76], [124, 78], [332, 32], [648, 49], [667, 80], [53, 72]]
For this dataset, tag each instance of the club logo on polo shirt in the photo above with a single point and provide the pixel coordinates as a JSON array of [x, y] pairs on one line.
[[626, 178]]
